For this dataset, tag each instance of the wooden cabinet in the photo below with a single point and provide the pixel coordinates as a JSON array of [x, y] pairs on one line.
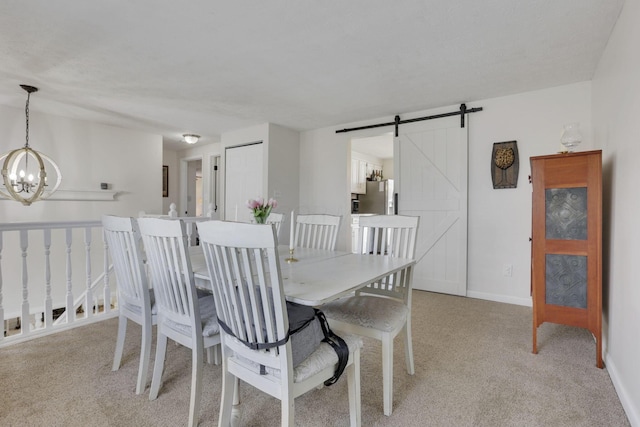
[[566, 252]]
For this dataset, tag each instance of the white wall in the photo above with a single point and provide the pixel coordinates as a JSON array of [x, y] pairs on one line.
[[616, 108], [499, 220], [325, 177], [87, 154], [284, 173]]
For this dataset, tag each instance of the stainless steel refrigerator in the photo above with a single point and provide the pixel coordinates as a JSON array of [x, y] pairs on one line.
[[378, 199]]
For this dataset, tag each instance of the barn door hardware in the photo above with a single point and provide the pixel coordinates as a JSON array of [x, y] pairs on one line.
[[397, 122]]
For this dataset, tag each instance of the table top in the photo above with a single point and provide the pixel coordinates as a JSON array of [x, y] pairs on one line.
[[320, 276], [326, 280]]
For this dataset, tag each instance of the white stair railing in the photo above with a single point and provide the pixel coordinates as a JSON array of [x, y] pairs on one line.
[[47, 273], [47, 268]]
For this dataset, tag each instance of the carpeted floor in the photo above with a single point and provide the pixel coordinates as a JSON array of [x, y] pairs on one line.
[[474, 367]]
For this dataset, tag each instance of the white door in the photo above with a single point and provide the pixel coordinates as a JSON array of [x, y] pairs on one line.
[[243, 178], [431, 182]]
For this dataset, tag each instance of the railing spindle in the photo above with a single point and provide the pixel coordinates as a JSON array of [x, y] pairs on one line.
[[89, 303], [70, 311], [106, 290], [48, 305], [24, 320]]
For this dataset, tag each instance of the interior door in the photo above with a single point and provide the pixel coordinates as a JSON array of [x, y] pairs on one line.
[[243, 180], [431, 182]]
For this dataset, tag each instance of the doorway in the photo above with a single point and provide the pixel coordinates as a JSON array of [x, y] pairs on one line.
[[372, 168], [194, 188], [191, 187]]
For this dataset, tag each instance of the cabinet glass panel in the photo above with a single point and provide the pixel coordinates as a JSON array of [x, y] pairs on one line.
[[566, 280], [566, 213]]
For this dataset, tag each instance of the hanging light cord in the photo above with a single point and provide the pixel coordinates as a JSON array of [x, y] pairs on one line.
[[26, 112]]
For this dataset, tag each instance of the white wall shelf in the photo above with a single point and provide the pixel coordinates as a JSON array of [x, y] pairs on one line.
[[86, 195]]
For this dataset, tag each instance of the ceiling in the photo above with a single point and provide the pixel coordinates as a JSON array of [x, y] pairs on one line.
[[208, 67]]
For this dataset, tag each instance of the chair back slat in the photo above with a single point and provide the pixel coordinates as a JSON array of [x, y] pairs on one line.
[[276, 219], [165, 243], [123, 239], [317, 231], [390, 235], [242, 260]]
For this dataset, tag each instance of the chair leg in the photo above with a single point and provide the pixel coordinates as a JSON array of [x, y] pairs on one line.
[[217, 354], [145, 355], [122, 331], [408, 347], [353, 383], [287, 410], [387, 374], [158, 366], [226, 396], [209, 352], [235, 409], [196, 383]]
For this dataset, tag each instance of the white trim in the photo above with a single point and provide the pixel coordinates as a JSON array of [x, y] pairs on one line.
[[630, 407], [39, 333], [527, 302]]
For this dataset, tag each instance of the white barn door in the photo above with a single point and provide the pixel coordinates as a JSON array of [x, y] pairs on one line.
[[431, 182]]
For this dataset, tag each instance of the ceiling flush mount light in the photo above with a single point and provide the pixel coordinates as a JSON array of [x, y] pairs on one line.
[[24, 175], [190, 138]]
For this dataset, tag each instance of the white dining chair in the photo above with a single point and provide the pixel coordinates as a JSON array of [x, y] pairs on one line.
[[243, 262], [135, 299], [182, 316], [318, 231], [382, 309], [276, 219]]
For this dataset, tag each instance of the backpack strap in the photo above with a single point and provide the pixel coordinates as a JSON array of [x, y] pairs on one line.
[[338, 345], [254, 345]]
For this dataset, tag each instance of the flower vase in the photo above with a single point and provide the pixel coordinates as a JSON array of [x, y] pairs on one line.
[[260, 219]]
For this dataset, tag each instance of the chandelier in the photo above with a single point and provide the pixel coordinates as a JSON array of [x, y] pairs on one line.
[[23, 169]]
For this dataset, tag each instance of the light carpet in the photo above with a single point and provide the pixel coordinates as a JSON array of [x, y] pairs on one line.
[[473, 360]]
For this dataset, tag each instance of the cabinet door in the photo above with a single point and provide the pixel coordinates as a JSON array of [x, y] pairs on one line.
[[354, 175], [362, 177]]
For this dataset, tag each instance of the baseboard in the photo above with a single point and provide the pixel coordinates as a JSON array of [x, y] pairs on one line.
[[630, 407], [527, 302]]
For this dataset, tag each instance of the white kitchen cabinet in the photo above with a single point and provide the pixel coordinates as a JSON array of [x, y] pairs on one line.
[[358, 176], [361, 170]]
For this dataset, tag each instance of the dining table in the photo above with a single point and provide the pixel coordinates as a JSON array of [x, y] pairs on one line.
[[318, 276]]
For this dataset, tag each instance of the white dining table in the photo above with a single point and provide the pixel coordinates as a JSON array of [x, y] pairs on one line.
[[319, 276]]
